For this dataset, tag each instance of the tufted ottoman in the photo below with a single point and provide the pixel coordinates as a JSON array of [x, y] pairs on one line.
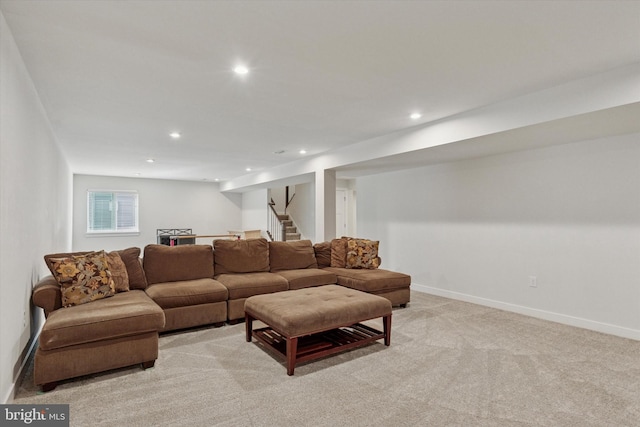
[[310, 323]]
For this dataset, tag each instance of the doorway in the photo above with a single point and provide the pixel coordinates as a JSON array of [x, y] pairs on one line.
[[342, 218]]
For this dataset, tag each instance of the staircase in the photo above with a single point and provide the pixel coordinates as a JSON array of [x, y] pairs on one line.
[[291, 231]]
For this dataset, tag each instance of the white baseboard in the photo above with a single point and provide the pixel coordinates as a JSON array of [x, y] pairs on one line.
[[12, 390], [579, 322]]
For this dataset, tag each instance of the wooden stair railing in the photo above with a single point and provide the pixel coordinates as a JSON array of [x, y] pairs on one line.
[[280, 227], [275, 230]]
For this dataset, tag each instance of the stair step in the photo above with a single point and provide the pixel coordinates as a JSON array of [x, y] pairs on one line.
[[291, 229], [282, 217], [292, 236], [287, 223]]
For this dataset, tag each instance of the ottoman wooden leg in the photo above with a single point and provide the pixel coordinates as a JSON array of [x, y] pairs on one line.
[[248, 321], [387, 330], [292, 353]]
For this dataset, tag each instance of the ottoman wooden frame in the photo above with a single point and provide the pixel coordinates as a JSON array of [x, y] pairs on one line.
[[311, 323]]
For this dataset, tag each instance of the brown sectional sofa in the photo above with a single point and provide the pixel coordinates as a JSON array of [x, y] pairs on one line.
[[179, 287]]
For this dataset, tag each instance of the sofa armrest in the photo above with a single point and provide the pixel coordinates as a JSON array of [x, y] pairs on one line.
[[47, 295]]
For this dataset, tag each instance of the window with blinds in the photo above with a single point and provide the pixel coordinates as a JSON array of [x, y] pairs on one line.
[[112, 211]]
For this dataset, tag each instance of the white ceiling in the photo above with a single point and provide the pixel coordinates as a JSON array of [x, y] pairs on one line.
[[117, 77]]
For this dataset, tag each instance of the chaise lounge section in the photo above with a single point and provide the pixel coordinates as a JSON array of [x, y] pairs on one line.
[[109, 333], [342, 258]]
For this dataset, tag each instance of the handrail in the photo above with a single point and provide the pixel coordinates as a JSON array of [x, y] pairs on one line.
[[275, 229], [287, 200]]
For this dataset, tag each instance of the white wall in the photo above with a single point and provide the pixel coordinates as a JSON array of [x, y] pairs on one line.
[[278, 195], [349, 186], [477, 229], [162, 204], [302, 210], [254, 210], [35, 207]]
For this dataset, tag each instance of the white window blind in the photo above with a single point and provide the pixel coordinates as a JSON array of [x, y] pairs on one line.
[[112, 211]]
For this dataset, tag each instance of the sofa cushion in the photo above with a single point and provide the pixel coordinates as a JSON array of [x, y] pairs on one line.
[[163, 263], [83, 278], [308, 277], [373, 281], [323, 254], [247, 284], [130, 257], [185, 293], [241, 256], [118, 272], [339, 252], [291, 255], [362, 253], [124, 314]]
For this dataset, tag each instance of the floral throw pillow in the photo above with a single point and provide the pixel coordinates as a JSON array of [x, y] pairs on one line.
[[362, 253], [83, 278]]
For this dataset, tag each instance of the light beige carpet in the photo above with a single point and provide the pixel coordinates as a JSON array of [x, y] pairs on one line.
[[450, 364]]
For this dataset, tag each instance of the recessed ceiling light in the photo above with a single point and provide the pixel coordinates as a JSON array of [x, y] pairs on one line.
[[241, 70], [217, 179], [175, 135], [150, 160], [415, 116], [248, 169], [138, 174], [303, 151]]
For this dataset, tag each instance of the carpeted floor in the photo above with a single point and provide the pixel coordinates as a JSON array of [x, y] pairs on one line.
[[450, 363]]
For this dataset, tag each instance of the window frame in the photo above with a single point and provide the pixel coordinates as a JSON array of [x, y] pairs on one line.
[[115, 230]]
